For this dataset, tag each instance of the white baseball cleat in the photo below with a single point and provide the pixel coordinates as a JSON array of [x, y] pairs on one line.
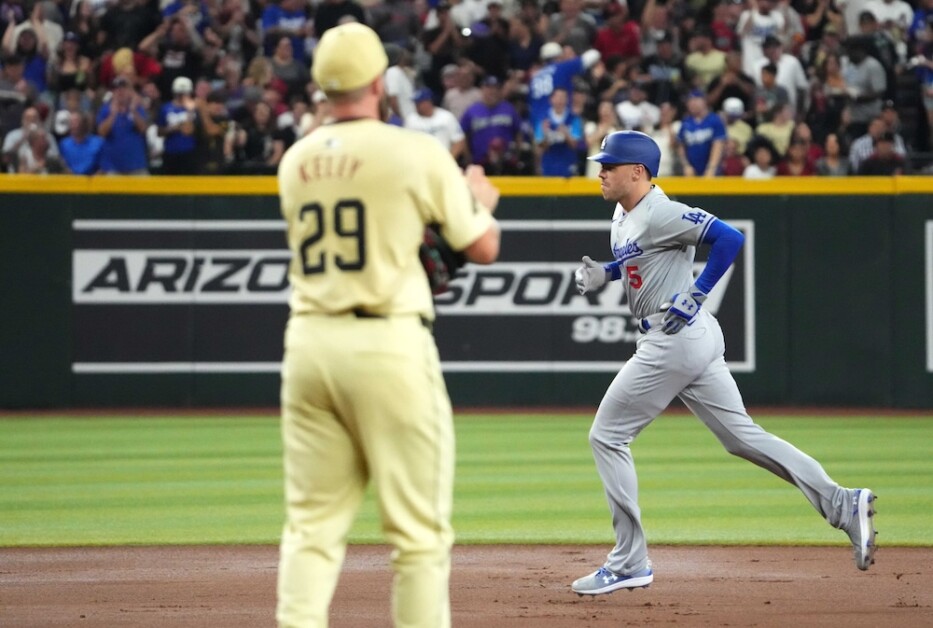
[[861, 528], [605, 581]]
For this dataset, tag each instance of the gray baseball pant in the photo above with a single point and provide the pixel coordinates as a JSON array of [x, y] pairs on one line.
[[691, 366]]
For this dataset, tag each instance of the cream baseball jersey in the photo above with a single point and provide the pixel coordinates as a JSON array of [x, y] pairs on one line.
[[356, 196]]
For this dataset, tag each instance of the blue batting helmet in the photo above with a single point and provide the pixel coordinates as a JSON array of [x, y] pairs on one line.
[[629, 147]]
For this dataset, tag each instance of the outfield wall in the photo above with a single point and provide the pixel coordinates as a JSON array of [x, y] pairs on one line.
[[172, 292]]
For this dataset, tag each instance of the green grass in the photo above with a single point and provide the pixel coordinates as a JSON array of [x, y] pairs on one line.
[[520, 479]]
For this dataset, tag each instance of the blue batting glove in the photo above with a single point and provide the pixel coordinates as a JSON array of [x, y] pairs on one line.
[[682, 309]]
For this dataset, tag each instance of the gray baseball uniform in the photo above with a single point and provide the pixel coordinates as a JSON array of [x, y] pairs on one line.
[[655, 244]]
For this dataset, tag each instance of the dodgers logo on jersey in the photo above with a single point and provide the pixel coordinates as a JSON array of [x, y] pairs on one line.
[[626, 251], [696, 217]]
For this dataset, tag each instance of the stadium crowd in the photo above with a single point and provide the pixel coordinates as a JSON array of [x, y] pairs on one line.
[[752, 88]]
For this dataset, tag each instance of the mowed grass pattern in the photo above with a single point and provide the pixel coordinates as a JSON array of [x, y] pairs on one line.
[[520, 479]]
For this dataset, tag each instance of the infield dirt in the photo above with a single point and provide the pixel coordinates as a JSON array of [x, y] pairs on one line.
[[491, 586]]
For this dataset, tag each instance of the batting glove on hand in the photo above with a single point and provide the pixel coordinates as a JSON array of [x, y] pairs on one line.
[[591, 276], [682, 309]]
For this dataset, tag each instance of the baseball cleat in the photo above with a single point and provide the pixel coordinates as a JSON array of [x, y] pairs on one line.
[[861, 528], [605, 581]]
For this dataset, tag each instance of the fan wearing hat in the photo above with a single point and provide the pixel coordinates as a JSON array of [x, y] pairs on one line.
[[701, 138], [363, 398], [176, 124], [123, 121], [559, 65], [436, 121], [733, 116], [755, 24], [619, 35]]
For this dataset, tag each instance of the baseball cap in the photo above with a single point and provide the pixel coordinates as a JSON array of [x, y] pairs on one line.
[[450, 69], [733, 106], [491, 81], [348, 57], [120, 81], [550, 50], [182, 85], [423, 94], [71, 36]]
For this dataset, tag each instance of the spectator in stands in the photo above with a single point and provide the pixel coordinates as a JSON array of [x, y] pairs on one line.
[[638, 105], [619, 34], [894, 18], [571, 26], [177, 47], [524, 46], [69, 69], [286, 18], [833, 163], [863, 147], [14, 94], [885, 160], [238, 38], [436, 121], [396, 21], [763, 160], [259, 144], [737, 129], [701, 139], [214, 134], [176, 122], [490, 118], [769, 95], [488, 48], [815, 52], [559, 65], [127, 22], [444, 43], [657, 22], [595, 131], [400, 82], [705, 63], [867, 83], [724, 25], [330, 13], [460, 90], [122, 122], [558, 137], [138, 67], [35, 156], [29, 44], [829, 97], [733, 83], [778, 129], [665, 72], [734, 161], [796, 163], [790, 74], [665, 134], [16, 141], [756, 23], [293, 73], [48, 31], [817, 16], [81, 150]]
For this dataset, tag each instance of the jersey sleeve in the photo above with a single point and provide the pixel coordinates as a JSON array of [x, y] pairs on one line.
[[449, 202], [676, 223]]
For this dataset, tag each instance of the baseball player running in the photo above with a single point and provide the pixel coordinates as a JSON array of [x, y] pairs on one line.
[[363, 397], [680, 353]]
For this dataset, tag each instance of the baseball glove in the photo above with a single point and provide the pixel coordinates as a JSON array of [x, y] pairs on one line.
[[439, 260]]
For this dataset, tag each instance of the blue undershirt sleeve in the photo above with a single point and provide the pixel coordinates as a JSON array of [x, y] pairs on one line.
[[726, 241]]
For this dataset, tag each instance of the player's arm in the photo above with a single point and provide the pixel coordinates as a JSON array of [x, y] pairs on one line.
[[725, 241], [485, 249]]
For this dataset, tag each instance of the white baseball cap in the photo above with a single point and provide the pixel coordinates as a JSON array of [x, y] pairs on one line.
[[733, 106], [348, 57], [182, 85], [550, 50]]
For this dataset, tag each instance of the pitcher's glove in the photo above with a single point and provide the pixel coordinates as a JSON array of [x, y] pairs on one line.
[[440, 262], [682, 309]]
